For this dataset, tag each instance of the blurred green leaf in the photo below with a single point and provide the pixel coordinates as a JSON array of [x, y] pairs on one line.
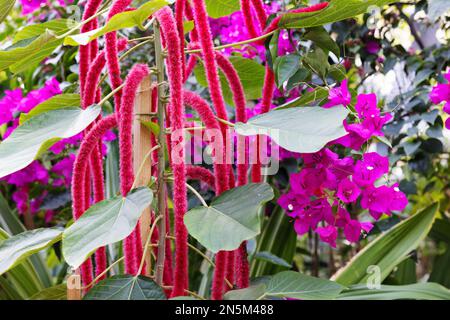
[[389, 249]]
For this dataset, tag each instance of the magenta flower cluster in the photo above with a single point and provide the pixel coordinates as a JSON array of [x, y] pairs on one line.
[[232, 29], [57, 175], [328, 185], [30, 6], [441, 93]]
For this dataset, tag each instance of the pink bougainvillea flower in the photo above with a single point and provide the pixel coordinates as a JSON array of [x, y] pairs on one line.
[[29, 6], [34, 172], [328, 234], [370, 169], [366, 105], [366, 226], [348, 191], [339, 96], [64, 168], [352, 231], [8, 105], [399, 201], [441, 93]]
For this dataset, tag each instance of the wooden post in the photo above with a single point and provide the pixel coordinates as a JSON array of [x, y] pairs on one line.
[[141, 146], [74, 287]]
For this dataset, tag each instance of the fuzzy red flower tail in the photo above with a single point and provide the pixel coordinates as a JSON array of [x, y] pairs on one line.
[[175, 75]]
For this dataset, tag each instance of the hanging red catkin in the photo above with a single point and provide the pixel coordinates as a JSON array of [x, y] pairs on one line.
[[241, 116], [202, 24], [175, 76], [85, 57], [190, 17], [133, 242], [179, 13], [207, 116], [248, 19], [190, 67], [95, 71], [201, 174], [203, 28], [88, 144], [240, 102], [112, 53], [260, 13]]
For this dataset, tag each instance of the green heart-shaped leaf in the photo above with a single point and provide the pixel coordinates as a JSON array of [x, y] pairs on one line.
[[290, 284], [31, 139], [230, 219], [337, 10], [59, 101], [16, 248], [104, 223], [127, 19], [304, 129], [389, 249], [126, 287]]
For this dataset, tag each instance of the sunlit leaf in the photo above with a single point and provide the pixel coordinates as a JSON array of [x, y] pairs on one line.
[[303, 129], [337, 10], [59, 101], [104, 223], [231, 218], [126, 287], [38, 134], [127, 19], [16, 248], [388, 250]]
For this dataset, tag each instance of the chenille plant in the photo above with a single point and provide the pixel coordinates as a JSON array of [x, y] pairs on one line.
[[228, 221]]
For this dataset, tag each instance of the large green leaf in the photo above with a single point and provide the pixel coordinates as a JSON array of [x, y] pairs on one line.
[[5, 8], [104, 223], [231, 218], [304, 130], [221, 8], [441, 267], [59, 101], [389, 249], [58, 26], [32, 50], [278, 238], [417, 291], [337, 10], [16, 248], [250, 72], [32, 44], [285, 67], [290, 284], [317, 95], [126, 287], [58, 292], [127, 19], [22, 280], [321, 37], [10, 222], [38, 134]]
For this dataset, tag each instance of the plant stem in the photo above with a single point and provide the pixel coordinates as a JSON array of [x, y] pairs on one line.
[[103, 273], [144, 254], [141, 167], [79, 25], [159, 268], [229, 45], [109, 95], [204, 256], [195, 192]]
